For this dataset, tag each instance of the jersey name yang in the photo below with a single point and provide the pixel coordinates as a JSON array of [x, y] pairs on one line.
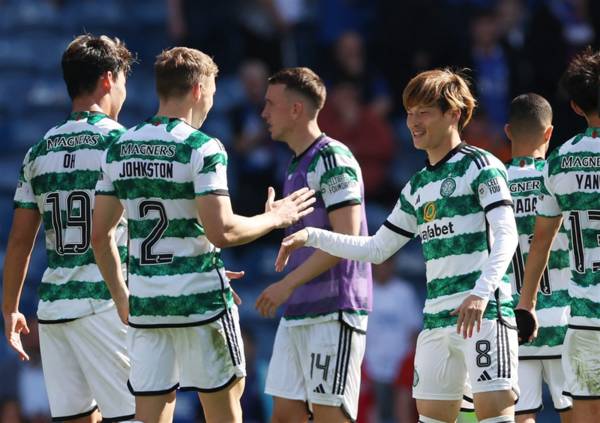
[[58, 178], [572, 189], [525, 182], [157, 169], [446, 204]]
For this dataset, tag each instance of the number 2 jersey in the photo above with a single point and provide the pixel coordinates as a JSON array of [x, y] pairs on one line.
[[58, 178], [572, 189], [157, 169], [525, 182]]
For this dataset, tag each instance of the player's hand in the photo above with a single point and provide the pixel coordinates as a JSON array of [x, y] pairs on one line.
[[235, 275], [527, 323], [122, 303], [272, 297], [290, 209], [15, 324], [470, 314], [290, 243]]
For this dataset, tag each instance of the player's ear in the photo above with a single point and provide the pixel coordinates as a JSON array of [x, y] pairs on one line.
[[507, 131], [577, 109], [106, 81], [297, 108], [197, 91], [548, 133]]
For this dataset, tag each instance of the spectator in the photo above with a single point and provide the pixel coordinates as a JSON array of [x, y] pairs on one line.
[[351, 64], [392, 332], [345, 117]]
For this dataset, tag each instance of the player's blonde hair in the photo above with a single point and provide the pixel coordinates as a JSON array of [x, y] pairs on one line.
[[178, 69], [443, 88]]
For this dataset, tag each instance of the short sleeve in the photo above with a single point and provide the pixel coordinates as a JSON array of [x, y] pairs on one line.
[[104, 186], [547, 206], [336, 175], [24, 195], [403, 219], [209, 167], [490, 185]]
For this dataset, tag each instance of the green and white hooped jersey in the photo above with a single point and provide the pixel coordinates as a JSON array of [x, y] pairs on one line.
[[157, 169], [58, 178], [525, 182], [572, 189], [446, 206]]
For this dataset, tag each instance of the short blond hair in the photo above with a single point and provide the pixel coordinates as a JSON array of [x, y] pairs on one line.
[[178, 69], [444, 88]]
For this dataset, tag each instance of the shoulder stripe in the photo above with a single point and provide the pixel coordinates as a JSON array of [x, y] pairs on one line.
[[398, 230], [480, 159]]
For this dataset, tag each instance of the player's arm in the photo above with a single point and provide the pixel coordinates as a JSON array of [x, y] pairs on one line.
[[399, 228], [107, 213], [494, 197], [25, 225], [345, 220], [544, 233], [224, 228]]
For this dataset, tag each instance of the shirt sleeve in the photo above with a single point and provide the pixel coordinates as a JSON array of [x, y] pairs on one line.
[[104, 186], [336, 175], [209, 167], [374, 249], [504, 231], [24, 195], [490, 185], [547, 206]]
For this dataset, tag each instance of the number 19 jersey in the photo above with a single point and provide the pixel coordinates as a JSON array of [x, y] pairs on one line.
[[157, 169], [572, 189], [525, 182], [58, 178]]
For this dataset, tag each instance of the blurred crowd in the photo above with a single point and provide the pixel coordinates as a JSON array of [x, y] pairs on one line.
[[366, 51]]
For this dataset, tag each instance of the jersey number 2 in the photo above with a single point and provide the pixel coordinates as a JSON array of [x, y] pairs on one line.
[[146, 255]]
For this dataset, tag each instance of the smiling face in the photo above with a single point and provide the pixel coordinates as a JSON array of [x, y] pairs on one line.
[[278, 111], [430, 126]]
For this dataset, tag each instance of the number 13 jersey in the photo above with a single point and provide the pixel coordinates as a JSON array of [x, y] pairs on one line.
[[572, 189]]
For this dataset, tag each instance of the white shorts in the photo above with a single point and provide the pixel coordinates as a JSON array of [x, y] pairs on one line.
[[86, 367], [444, 359], [318, 363], [205, 358], [581, 364], [532, 373]]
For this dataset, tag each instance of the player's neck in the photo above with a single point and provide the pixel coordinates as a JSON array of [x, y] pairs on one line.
[[91, 104], [437, 153], [522, 149], [303, 137], [593, 121], [175, 109]]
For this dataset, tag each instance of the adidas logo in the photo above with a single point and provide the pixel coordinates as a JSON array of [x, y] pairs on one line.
[[484, 376], [319, 389]]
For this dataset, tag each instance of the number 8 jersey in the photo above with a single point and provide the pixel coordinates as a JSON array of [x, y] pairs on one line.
[[157, 169], [572, 189], [58, 178], [525, 182]]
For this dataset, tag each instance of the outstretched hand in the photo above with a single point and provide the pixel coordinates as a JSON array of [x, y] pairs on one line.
[[15, 324], [272, 297], [289, 244], [290, 209]]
